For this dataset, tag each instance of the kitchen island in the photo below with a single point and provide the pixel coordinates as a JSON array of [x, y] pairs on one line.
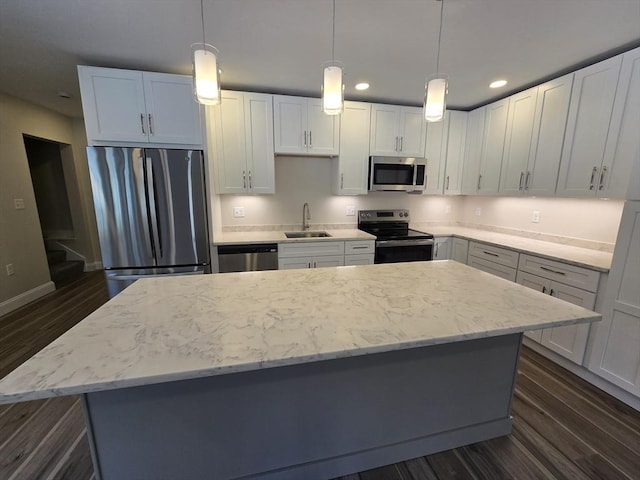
[[292, 374]]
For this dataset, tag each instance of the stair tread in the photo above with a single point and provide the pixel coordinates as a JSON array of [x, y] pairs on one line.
[[56, 256]]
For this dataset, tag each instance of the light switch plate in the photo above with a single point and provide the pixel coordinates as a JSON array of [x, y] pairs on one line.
[[10, 269], [478, 211], [535, 217], [18, 203], [351, 211], [238, 212]]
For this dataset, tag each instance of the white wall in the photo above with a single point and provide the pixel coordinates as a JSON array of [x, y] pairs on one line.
[[305, 179]]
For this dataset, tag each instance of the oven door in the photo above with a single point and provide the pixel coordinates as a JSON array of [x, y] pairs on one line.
[[395, 251]]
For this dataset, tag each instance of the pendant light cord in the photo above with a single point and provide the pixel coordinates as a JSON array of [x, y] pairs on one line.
[[333, 34], [202, 17], [439, 36]]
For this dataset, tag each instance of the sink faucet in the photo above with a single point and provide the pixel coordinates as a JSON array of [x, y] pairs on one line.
[[306, 216]]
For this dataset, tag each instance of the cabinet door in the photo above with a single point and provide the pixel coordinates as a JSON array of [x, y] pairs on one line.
[[323, 130], [615, 355], [258, 118], [113, 104], [173, 115], [520, 121], [460, 250], [350, 176], [230, 145], [475, 132], [435, 152], [442, 248], [411, 130], [384, 130], [623, 141], [570, 341], [455, 152], [592, 97], [492, 146], [535, 283], [294, 263], [290, 124], [496, 269], [548, 135], [328, 261]]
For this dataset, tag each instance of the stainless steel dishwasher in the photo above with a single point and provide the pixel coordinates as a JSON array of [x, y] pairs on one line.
[[247, 258]]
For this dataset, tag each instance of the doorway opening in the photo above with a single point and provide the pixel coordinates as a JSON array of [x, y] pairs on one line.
[[50, 189]]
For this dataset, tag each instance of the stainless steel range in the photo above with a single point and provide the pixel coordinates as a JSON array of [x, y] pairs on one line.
[[395, 241]]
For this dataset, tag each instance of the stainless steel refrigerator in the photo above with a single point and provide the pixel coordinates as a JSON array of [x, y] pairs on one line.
[[151, 212]]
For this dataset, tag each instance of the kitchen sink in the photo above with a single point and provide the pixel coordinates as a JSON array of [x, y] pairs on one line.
[[306, 234]]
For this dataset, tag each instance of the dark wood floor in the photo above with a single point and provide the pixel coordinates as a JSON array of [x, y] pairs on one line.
[[563, 427]]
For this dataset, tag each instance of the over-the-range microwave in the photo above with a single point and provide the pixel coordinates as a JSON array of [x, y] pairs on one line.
[[398, 174]]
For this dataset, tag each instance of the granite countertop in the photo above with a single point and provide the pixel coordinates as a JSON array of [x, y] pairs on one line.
[[275, 236], [581, 257], [167, 329]]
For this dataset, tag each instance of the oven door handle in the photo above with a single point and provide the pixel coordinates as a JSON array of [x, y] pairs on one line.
[[403, 243]]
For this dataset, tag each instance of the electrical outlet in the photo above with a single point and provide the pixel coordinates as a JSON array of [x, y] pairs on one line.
[[10, 269], [478, 211], [238, 212], [18, 203], [351, 211], [535, 217]]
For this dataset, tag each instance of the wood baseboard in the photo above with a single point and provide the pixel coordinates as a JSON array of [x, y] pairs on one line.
[[26, 297]]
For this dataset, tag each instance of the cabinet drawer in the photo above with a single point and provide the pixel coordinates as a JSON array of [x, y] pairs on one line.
[[497, 269], [560, 272], [494, 254], [305, 249], [359, 259], [359, 247]]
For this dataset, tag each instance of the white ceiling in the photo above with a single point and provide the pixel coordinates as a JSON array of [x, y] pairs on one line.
[[278, 45]]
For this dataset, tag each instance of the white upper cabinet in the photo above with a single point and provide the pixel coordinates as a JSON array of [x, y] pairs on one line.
[[350, 168], [302, 128], [623, 141], [590, 112], [456, 141], [495, 125], [139, 107], [242, 139], [475, 131], [435, 151], [397, 131]]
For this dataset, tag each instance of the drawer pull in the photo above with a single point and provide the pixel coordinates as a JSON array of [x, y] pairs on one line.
[[491, 253], [544, 289], [551, 292], [359, 248], [551, 270]]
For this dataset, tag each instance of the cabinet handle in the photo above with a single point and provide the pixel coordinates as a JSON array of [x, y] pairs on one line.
[[526, 181], [396, 147], [305, 144], [310, 140], [150, 126], [401, 143], [551, 292], [521, 178], [552, 271], [309, 264], [479, 180], [436, 252], [250, 185], [359, 248], [142, 123], [544, 289], [314, 265], [604, 170], [244, 179], [341, 180], [593, 176], [491, 253], [447, 183]]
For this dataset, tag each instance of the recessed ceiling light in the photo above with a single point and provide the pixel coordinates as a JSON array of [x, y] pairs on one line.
[[498, 84], [362, 86]]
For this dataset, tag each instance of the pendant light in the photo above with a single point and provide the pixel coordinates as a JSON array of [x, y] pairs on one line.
[[206, 71], [435, 95], [332, 79]]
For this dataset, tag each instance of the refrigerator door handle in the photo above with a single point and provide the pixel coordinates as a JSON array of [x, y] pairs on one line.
[[153, 209], [140, 178]]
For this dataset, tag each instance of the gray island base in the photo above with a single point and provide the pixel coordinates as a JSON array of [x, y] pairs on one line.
[[311, 421]]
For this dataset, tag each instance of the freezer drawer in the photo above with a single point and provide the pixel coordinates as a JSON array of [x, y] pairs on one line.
[[118, 280]]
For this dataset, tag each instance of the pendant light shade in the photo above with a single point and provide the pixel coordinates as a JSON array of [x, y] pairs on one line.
[[435, 89], [206, 74], [435, 101], [333, 89], [333, 78]]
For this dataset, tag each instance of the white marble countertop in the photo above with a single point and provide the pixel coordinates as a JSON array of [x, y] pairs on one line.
[[166, 329], [275, 236], [581, 257]]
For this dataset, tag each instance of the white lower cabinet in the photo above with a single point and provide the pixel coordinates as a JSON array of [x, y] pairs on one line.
[[460, 250], [325, 254], [442, 248]]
